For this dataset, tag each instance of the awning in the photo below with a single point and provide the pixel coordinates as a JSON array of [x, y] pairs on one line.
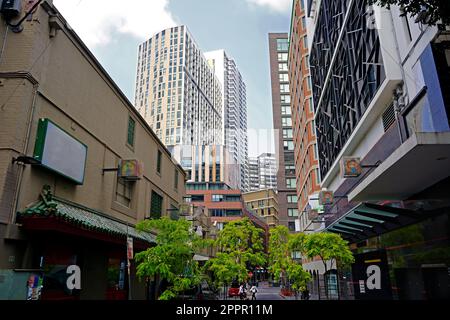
[[368, 220], [82, 217]]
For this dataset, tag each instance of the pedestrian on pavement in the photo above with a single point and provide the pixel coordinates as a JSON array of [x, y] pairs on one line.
[[253, 290], [241, 292]]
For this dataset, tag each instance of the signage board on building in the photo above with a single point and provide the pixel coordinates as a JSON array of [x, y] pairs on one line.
[[326, 197], [59, 152], [130, 169], [313, 214], [371, 276], [350, 167], [130, 253]]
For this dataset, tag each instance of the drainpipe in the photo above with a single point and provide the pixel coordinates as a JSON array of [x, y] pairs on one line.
[[24, 151]]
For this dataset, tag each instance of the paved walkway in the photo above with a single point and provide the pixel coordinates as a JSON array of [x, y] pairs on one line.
[[266, 292]]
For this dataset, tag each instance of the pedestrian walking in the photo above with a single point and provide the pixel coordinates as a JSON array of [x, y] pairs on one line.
[[253, 290], [242, 294]]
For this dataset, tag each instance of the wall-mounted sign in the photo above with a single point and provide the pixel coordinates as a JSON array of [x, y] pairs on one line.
[[371, 276], [60, 152], [312, 214], [350, 167], [326, 197], [130, 169]]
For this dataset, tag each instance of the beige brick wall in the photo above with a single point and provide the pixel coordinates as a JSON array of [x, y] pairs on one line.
[[75, 93]]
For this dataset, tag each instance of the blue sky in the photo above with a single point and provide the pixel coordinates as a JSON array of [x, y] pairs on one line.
[[240, 27]]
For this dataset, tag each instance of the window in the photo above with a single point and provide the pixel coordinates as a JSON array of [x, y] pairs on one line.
[[290, 170], [286, 110], [291, 226], [124, 191], [292, 212], [282, 56], [233, 213], [292, 198], [317, 176], [130, 133], [286, 122], [287, 133], [175, 182], [232, 198], [282, 66], [284, 88], [285, 98], [260, 203], [217, 198], [282, 44], [290, 183], [305, 42], [158, 162], [156, 206], [197, 198], [288, 145], [217, 212], [284, 77]]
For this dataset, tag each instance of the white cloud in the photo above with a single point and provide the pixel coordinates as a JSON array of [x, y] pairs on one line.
[[275, 5], [95, 21]]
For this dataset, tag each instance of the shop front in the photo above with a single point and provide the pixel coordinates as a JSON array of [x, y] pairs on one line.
[[76, 253], [400, 253]]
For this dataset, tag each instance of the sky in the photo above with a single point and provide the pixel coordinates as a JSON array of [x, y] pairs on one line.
[[113, 33]]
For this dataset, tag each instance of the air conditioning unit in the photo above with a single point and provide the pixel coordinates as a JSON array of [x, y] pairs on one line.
[[10, 8]]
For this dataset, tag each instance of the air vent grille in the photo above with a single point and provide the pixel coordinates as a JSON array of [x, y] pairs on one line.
[[388, 117]]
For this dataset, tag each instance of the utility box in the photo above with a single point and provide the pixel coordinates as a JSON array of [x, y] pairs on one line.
[[10, 8]]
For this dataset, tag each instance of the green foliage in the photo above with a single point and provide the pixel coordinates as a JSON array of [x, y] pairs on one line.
[[298, 277], [329, 247], [281, 264], [172, 257], [240, 245], [436, 9], [279, 253]]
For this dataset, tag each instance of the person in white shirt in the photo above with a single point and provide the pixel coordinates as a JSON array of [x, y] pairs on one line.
[[253, 290]]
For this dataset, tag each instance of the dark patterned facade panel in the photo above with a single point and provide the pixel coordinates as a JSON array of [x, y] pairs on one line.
[[329, 25], [356, 75]]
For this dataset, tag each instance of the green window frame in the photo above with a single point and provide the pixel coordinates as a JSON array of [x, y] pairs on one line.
[[175, 183], [158, 162], [131, 131], [156, 203]]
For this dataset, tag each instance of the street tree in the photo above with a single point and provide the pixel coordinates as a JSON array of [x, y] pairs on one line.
[[239, 247], [426, 11], [279, 253], [281, 263], [329, 247], [172, 257]]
